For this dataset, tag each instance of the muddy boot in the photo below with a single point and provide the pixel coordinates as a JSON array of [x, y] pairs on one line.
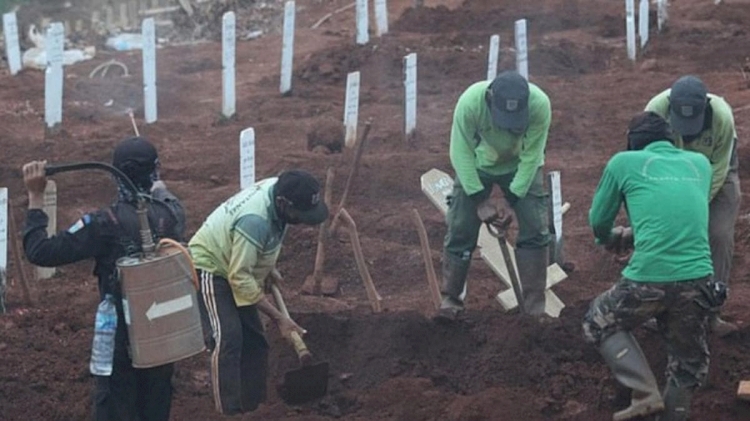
[[721, 327], [532, 273], [629, 366], [676, 404], [455, 270]]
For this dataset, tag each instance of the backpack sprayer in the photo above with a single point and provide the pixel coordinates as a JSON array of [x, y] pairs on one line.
[[158, 288]]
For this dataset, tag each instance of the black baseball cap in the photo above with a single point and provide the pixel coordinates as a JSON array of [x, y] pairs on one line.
[[135, 150], [687, 105], [509, 101], [302, 190]]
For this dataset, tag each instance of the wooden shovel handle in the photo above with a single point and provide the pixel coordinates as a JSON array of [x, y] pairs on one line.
[[300, 348]]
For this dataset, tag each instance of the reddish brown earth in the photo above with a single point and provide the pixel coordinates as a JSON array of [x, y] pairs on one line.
[[397, 365]]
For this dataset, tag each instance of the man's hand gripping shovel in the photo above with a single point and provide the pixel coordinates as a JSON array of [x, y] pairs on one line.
[[498, 229], [308, 382]]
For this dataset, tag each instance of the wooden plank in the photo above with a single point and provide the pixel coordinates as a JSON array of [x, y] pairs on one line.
[[50, 208], [743, 392], [437, 185]]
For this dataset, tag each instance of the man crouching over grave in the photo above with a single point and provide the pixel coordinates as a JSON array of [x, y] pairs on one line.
[[498, 137], [665, 192], [234, 251]]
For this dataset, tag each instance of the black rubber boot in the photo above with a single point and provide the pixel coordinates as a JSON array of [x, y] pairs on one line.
[[455, 270], [676, 404], [532, 271], [629, 366]]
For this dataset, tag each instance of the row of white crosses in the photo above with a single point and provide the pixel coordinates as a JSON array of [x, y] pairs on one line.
[[643, 23]]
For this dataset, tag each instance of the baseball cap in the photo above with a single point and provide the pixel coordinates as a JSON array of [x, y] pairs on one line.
[[687, 105], [302, 190], [509, 102], [136, 150]]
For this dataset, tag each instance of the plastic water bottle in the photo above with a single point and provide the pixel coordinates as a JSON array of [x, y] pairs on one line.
[[103, 348]]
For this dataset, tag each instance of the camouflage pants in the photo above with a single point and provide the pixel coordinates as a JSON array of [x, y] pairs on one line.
[[682, 322]]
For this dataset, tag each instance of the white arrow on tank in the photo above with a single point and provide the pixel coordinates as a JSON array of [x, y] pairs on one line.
[[169, 307]]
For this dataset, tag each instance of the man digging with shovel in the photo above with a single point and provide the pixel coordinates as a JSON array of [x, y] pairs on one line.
[[235, 251], [498, 137], [665, 192]]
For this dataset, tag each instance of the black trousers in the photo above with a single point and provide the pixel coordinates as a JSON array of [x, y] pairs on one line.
[[239, 350], [129, 393]]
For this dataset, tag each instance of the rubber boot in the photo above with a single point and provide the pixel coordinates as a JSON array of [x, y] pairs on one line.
[[455, 270], [532, 273], [629, 366], [676, 403]]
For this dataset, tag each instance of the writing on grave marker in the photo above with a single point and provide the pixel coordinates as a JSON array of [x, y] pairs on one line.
[[54, 42], [522, 51], [148, 32], [228, 43], [287, 48], [410, 93], [351, 108], [247, 158]]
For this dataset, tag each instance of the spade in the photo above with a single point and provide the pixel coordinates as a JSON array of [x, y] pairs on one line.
[[310, 381]]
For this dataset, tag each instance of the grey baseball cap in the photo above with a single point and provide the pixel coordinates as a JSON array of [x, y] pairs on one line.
[[509, 102], [687, 105]]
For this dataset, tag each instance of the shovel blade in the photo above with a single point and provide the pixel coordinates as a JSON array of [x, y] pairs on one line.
[[305, 384]]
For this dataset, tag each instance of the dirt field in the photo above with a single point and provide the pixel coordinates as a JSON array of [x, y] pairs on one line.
[[397, 365]]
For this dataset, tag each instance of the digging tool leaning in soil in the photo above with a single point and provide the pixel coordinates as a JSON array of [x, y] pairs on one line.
[[372, 293], [427, 256], [498, 229], [317, 283], [308, 382], [352, 174]]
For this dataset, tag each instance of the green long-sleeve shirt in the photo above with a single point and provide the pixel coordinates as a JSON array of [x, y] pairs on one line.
[[476, 144], [665, 191], [241, 241], [716, 142]]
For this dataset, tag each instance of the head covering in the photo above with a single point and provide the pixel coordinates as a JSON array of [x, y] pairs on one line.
[[138, 159], [647, 127], [302, 191], [509, 101], [687, 105]]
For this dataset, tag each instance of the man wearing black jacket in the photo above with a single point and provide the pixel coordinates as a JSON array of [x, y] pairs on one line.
[[128, 394]]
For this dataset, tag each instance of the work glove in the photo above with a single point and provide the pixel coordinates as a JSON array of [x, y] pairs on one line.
[[713, 294], [620, 240]]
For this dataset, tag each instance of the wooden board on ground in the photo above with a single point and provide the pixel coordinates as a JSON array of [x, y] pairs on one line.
[[743, 392], [437, 185]]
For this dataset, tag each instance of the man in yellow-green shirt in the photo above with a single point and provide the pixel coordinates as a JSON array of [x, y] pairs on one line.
[[498, 137], [704, 123], [234, 252]]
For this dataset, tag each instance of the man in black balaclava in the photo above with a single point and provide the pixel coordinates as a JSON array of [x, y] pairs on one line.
[[105, 235]]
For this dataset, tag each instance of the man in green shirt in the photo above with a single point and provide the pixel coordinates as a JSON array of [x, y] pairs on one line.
[[665, 193], [234, 251], [499, 135], [704, 123]]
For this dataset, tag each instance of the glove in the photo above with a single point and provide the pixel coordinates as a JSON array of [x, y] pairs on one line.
[[620, 240], [713, 294]]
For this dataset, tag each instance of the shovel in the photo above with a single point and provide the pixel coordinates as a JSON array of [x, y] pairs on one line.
[[310, 381], [498, 229]]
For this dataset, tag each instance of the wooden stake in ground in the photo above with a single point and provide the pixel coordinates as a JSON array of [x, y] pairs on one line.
[[743, 392], [427, 256], [3, 245], [317, 283], [19, 260], [372, 293], [352, 173], [50, 208]]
